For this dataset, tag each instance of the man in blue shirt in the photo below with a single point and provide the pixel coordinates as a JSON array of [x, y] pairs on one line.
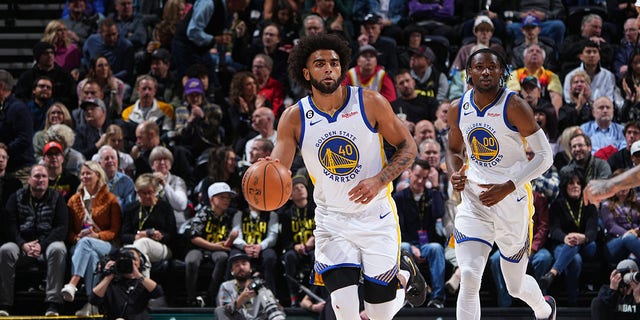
[[118, 183], [603, 131], [118, 50]]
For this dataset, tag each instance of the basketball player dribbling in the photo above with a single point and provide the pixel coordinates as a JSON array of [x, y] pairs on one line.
[[493, 125], [340, 131]]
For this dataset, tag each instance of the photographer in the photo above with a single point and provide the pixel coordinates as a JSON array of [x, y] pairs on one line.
[[620, 299], [237, 297], [124, 292]]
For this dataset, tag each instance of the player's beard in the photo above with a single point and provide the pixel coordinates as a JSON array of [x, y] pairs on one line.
[[323, 88]]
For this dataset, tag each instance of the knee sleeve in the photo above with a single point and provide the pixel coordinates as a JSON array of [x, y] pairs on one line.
[[377, 293], [335, 279], [345, 303]]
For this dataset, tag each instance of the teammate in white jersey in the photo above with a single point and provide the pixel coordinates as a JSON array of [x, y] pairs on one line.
[[340, 131], [493, 126]]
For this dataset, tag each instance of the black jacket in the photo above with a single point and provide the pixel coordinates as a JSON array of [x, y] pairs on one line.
[[409, 214]]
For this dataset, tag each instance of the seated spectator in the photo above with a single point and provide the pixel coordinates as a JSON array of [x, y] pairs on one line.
[[441, 123], [118, 183], [243, 100], [68, 54], [81, 21], [602, 130], [412, 103], [483, 31], [270, 46], [413, 36], [543, 111], [335, 20], [368, 74], [56, 114], [60, 179], [563, 147], [622, 158], [630, 89], [65, 136], [268, 87], [548, 82], [603, 82], [90, 134], [222, 166], [8, 183], [573, 45], [36, 219], [113, 137], [432, 81], [312, 25], [260, 148], [149, 223], [171, 188], [90, 231], [284, 13], [549, 12], [147, 107], [63, 83], [40, 101], [622, 56], [583, 161], [424, 130], [112, 89], [262, 121], [385, 46], [168, 83], [211, 236], [108, 43], [130, 24], [579, 110], [531, 30], [573, 233]]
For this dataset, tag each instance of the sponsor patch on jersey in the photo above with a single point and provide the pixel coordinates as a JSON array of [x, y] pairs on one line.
[[340, 158], [485, 149]]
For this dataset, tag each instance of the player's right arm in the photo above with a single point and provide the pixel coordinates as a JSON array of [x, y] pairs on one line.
[[598, 190], [288, 136], [455, 149]]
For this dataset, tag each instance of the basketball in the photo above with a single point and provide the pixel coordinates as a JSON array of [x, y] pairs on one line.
[[266, 185]]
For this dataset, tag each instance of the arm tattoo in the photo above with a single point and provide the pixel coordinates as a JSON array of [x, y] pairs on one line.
[[400, 160]]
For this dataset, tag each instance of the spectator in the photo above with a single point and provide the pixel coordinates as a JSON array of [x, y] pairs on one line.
[[563, 148], [40, 101], [243, 100], [56, 114], [424, 130], [573, 233], [118, 183], [583, 160], [262, 121], [483, 30], [130, 25], [147, 107], [117, 49], [441, 123], [8, 183], [90, 136], [622, 55], [60, 179], [622, 158], [65, 136], [414, 36], [260, 148], [428, 77], [222, 164], [113, 137], [543, 111], [37, 219], [531, 30], [296, 239], [312, 25], [418, 210], [94, 222], [168, 84], [369, 75], [412, 103], [109, 88], [387, 47], [210, 234], [63, 83], [603, 131], [67, 53], [270, 46], [285, 14], [549, 12], [149, 223], [16, 129], [171, 188], [79, 22], [548, 82], [268, 87], [333, 17], [573, 46], [617, 300], [630, 88], [578, 111], [603, 82]]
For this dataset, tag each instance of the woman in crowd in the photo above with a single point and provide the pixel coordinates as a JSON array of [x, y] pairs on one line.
[[114, 138], [222, 164], [68, 54], [94, 222], [631, 90], [113, 88], [56, 114], [171, 187], [244, 100], [621, 217], [563, 150], [573, 231]]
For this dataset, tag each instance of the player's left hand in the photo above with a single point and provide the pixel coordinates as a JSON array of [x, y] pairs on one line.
[[495, 192], [366, 190]]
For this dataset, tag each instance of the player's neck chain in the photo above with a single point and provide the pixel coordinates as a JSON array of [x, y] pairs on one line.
[[490, 102]]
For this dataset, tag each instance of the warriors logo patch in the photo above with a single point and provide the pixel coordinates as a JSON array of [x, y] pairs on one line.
[[484, 146], [339, 156]]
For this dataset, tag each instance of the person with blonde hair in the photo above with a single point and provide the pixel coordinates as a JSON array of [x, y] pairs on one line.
[[94, 222], [171, 188], [113, 137], [67, 53], [56, 114], [563, 149]]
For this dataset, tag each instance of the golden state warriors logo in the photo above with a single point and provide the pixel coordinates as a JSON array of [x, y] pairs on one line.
[[339, 156], [484, 146]]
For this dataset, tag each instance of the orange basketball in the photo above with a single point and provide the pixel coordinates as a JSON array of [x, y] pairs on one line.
[[266, 185]]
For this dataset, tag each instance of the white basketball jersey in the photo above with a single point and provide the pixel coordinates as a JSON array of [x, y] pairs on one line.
[[339, 151], [495, 149]]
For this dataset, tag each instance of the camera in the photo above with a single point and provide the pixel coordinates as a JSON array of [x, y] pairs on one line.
[[123, 263], [628, 275], [265, 306]]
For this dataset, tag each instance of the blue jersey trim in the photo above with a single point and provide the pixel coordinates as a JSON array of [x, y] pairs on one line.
[[504, 113], [376, 281], [510, 259], [303, 124], [475, 239], [336, 266], [460, 107], [364, 114], [482, 112], [334, 117]]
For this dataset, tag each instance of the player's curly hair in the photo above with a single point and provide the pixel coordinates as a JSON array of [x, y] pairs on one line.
[[503, 64], [298, 57]]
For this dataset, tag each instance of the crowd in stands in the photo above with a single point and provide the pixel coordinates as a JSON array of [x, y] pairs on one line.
[[138, 118]]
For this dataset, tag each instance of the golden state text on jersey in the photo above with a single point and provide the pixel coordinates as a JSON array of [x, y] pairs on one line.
[[339, 156]]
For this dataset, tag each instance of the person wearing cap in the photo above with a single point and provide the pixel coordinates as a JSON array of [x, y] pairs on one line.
[[483, 31], [549, 82], [368, 74], [60, 179], [117, 49], [531, 30], [549, 12], [37, 220], [296, 237], [602, 130], [385, 46], [618, 300], [211, 237], [63, 83], [198, 121], [40, 101], [428, 77], [622, 158], [543, 111], [91, 135]]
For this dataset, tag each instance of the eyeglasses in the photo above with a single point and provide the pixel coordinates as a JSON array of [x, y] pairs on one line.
[[43, 86]]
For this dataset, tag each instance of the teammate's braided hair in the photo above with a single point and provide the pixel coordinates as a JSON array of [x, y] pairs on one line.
[[501, 60]]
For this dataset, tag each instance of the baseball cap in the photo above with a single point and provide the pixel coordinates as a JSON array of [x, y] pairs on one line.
[[218, 188], [372, 18], [635, 147], [530, 81], [299, 179], [530, 20], [237, 257], [162, 54], [367, 48], [51, 145], [193, 85], [424, 51], [41, 47], [627, 264], [482, 19], [95, 102]]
